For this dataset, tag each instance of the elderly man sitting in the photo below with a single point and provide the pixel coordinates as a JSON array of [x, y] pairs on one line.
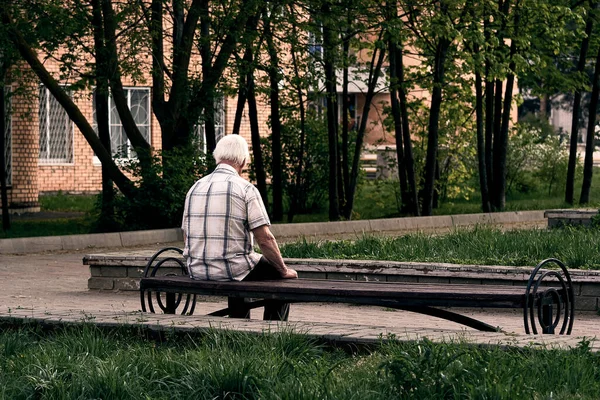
[[223, 213]]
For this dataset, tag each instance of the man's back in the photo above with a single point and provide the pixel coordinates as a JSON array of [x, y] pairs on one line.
[[221, 209]]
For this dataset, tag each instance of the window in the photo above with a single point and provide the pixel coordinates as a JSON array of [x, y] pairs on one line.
[[219, 124], [315, 47], [56, 131], [8, 135], [138, 101]]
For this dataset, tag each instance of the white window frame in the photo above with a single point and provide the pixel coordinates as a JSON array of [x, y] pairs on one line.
[[220, 115], [129, 152], [315, 47], [8, 135], [69, 160]]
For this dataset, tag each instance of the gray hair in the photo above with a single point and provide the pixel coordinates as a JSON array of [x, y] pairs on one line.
[[232, 148]]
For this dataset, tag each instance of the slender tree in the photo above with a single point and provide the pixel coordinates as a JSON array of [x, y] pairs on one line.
[[588, 163], [276, 143], [581, 64]]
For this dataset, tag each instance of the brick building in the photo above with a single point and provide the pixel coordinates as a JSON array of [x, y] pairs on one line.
[[46, 153]]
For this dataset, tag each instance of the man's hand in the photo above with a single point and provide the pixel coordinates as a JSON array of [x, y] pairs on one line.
[[289, 274]]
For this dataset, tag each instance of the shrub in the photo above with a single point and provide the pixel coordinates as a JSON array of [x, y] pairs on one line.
[[159, 199], [536, 159]]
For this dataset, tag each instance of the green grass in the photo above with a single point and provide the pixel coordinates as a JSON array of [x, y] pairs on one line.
[[576, 247], [56, 203], [378, 199], [66, 202], [86, 362], [50, 227]]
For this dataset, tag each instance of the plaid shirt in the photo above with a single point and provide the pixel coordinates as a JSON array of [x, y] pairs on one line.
[[220, 212]]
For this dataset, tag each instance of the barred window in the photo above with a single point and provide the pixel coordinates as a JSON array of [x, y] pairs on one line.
[[219, 124], [138, 101], [8, 135], [56, 131]]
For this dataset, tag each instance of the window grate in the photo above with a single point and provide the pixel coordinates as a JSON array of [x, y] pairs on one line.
[[138, 100], [55, 129], [8, 135]]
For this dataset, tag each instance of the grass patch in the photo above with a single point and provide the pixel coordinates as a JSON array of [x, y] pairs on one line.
[[67, 202], [576, 247], [86, 362], [51, 227]]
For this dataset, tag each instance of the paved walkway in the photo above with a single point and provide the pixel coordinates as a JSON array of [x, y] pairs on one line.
[[52, 287]]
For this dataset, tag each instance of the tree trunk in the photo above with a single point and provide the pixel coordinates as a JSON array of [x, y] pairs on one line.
[[433, 128], [588, 163], [585, 44], [241, 103], [501, 141], [489, 131], [277, 160], [208, 116], [344, 178], [374, 72], [393, 54], [300, 155], [501, 147], [259, 166], [332, 119], [485, 201], [101, 96], [409, 160]]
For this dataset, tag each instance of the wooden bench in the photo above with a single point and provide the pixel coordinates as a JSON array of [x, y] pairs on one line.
[[547, 300]]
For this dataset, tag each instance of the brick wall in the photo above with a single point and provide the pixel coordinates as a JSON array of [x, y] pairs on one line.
[[23, 194]]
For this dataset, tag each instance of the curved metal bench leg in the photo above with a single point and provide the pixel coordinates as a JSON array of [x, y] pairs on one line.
[[172, 301], [547, 308]]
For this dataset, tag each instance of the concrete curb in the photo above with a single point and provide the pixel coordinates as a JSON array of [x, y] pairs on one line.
[[74, 242], [442, 223], [314, 230]]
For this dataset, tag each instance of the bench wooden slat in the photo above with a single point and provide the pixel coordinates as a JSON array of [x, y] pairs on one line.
[[381, 293]]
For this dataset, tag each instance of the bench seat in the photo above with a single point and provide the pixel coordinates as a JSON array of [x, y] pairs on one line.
[[547, 303], [352, 292]]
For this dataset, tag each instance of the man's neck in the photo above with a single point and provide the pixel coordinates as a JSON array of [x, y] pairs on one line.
[[233, 165]]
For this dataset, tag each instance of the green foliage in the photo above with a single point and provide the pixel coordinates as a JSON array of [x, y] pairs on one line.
[[312, 193], [161, 189], [576, 247], [378, 198], [87, 362], [537, 160]]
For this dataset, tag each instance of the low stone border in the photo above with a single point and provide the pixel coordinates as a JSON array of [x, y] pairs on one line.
[[122, 271], [559, 218], [74, 242], [285, 232]]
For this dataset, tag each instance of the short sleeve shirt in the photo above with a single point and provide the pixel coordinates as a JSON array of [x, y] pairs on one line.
[[220, 212]]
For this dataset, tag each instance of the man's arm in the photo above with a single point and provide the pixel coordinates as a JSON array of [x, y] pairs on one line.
[[270, 250]]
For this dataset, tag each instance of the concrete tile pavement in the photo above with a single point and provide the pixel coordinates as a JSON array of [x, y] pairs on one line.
[[52, 287]]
